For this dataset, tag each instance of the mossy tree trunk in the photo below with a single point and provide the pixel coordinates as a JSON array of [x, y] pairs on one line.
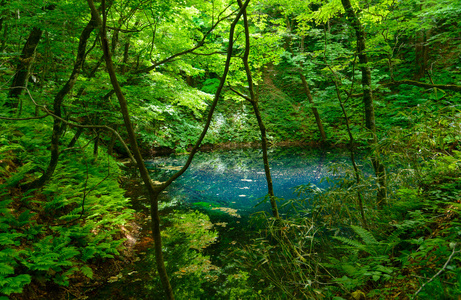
[[58, 125], [23, 66]]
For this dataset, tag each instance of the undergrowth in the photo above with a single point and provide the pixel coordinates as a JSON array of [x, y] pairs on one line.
[[410, 249], [55, 235]]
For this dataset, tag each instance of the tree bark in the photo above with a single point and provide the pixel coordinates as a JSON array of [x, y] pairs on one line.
[[110, 146], [76, 137], [421, 54], [23, 66], [314, 109], [367, 99], [58, 126]]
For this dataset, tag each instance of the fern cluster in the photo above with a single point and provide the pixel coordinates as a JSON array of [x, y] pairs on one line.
[[56, 233]]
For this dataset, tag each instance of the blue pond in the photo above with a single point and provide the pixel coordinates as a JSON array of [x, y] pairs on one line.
[[236, 178]]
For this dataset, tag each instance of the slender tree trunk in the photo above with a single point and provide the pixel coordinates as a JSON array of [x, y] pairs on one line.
[[421, 49], [267, 170], [58, 126], [367, 99], [96, 146], [23, 66], [75, 138], [262, 128], [351, 138], [2, 19], [421, 54], [314, 109], [126, 49], [125, 57], [113, 138], [4, 38], [153, 192]]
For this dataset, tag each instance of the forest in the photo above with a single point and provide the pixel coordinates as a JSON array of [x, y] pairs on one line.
[[92, 91]]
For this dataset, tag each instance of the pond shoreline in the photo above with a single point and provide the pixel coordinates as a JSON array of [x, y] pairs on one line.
[[207, 147]]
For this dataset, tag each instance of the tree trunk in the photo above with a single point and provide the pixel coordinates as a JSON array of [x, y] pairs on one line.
[[58, 126], [4, 38], [96, 146], [153, 192], [367, 99], [113, 138], [314, 109], [421, 54], [267, 170], [75, 138], [421, 49], [125, 58], [23, 66], [262, 128]]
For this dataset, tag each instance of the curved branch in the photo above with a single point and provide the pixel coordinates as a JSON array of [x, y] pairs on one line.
[[239, 94], [439, 272], [215, 101], [49, 113], [448, 87], [23, 119], [199, 44]]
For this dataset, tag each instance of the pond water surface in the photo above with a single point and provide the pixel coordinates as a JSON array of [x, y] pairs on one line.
[[227, 186], [236, 178]]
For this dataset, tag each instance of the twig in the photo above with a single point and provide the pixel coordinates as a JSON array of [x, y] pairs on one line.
[[240, 94], [439, 272]]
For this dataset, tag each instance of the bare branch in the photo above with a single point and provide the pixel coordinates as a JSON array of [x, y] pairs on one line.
[[240, 94], [440, 271]]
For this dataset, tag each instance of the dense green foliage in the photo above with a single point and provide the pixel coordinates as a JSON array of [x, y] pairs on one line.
[[169, 57], [74, 221]]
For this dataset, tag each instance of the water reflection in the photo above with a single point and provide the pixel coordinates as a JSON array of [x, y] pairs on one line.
[[236, 178]]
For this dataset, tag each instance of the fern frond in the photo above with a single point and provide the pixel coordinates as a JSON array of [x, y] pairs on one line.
[[6, 269], [352, 243], [87, 271], [366, 236]]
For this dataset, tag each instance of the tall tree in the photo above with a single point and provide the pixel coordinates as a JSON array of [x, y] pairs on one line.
[[314, 109], [23, 66], [253, 99], [154, 191], [58, 125], [367, 98]]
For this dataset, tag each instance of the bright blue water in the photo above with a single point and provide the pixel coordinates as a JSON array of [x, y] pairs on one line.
[[236, 178]]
